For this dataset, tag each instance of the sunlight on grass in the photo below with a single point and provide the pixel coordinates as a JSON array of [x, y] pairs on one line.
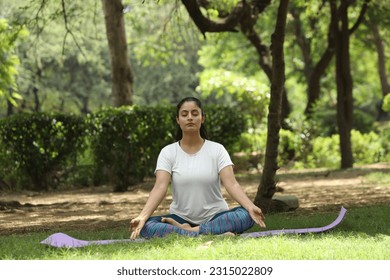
[[334, 246], [363, 235], [379, 178]]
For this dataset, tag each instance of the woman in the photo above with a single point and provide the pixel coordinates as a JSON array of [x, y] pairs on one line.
[[195, 167]]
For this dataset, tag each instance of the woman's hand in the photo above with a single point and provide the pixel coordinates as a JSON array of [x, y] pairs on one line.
[[155, 197], [236, 192], [136, 226], [257, 215]]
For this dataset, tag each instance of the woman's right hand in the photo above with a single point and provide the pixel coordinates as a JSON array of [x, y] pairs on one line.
[[155, 197], [136, 226]]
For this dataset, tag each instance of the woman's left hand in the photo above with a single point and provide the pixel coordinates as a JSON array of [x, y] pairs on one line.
[[257, 216]]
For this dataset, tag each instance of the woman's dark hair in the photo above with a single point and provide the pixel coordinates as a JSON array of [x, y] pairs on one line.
[[203, 132]]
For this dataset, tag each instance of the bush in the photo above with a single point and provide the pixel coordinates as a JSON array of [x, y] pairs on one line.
[[39, 144], [367, 148], [126, 141], [386, 103], [224, 125], [384, 135], [116, 145], [325, 153]]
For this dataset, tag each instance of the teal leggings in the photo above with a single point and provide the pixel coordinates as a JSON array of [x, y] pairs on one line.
[[236, 220]]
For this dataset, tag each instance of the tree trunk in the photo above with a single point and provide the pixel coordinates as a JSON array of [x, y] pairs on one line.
[[313, 85], [312, 72], [10, 109], [378, 41], [344, 83], [264, 61], [267, 185], [122, 76], [385, 86], [244, 16], [37, 103]]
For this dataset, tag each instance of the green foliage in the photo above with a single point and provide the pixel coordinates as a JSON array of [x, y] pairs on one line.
[[164, 43], [384, 136], [68, 70], [224, 125], [299, 149], [246, 93], [386, 103], [366, 147], [126, 141], [292, 147], [325, 153], [39, 144], [121, 145], [9, 61], [322, 121], [250, 142], [60, 70]]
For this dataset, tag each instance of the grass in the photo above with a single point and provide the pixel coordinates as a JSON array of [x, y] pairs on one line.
[[363, 235], [378, 178]]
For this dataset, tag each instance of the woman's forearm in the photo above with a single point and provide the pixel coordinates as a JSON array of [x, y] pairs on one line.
[[157, 194], [155, 198], [238, 194]]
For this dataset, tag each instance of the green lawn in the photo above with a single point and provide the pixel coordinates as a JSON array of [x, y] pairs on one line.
[[363, 235]]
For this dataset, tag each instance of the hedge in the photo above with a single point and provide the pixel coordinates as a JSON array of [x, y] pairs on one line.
[[36, 145], [124, 143]]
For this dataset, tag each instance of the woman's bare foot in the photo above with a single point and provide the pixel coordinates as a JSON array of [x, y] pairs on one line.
[[181, 226], [227, 234]]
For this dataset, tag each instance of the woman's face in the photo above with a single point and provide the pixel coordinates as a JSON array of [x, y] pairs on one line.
[[190, 117]]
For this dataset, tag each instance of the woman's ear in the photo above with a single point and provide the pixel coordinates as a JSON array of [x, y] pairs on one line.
[[177, 121]]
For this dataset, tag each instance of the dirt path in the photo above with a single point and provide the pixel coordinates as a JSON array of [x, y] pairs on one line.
[[99, 207]]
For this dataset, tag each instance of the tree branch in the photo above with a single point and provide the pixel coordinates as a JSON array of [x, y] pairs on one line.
[[205, 24], [360, 18], [68, 30]]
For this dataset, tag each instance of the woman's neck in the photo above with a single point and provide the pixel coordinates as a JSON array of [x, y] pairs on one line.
[[191, 144]]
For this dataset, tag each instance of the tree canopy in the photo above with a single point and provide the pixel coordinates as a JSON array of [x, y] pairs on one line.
[[68, 56]]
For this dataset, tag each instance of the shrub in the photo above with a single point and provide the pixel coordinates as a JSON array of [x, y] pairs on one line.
[[224, 125], [116, 145], [125, 142], [384, 135], [366, 147], [38, 144], [386, 103], [325, 153]]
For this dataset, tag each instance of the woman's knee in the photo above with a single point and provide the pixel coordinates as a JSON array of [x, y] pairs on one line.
[[237, 220], [155, 228], [245, 219]]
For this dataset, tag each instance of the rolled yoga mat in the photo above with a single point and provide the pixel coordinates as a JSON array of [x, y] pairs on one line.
[[62, 240]]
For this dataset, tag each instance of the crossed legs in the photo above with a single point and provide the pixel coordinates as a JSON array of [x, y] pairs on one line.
[[236, 220]]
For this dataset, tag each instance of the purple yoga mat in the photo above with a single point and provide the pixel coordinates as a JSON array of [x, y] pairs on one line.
[[62, 240], [336, 222]]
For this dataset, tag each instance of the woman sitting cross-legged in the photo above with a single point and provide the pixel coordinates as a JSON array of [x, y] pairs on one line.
[[195, 167]]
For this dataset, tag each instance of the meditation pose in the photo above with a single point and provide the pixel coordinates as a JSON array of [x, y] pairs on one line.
[[195, 167]]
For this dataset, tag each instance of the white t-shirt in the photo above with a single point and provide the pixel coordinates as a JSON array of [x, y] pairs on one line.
[[196, 186]]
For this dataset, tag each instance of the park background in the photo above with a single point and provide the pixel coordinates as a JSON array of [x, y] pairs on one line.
[[88, 92]]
